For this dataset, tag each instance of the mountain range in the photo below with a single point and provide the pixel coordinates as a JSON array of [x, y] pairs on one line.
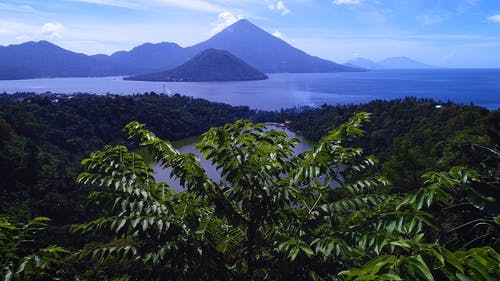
[[388, 63], [209, 65], [248, 42]]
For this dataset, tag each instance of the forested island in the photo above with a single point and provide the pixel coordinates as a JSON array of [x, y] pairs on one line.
[[209, 65], [405, 189]]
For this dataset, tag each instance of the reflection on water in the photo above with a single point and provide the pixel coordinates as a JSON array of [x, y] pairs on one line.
[[188, 145]]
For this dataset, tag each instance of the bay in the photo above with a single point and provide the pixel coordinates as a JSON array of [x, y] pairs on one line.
[[285, 90]]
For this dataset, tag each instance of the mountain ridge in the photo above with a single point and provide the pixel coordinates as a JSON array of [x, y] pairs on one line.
[[247, 41], [400, 62]]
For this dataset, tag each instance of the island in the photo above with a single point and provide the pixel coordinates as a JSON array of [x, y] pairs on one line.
[[209, 65]]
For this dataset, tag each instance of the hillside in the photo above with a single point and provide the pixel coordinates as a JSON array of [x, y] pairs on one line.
[[209, 65]]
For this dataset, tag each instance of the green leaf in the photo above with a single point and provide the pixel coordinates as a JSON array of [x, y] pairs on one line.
[[294, 252], [390, 276], [462, 277], [422, 267], [452, 259], [308, 251]]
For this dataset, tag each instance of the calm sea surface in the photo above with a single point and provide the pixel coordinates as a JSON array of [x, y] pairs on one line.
[[480, 86]]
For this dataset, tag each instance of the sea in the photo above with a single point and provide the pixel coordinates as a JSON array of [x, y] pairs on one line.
[[465, 86]]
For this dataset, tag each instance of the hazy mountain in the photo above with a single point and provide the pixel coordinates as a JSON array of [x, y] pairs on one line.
[[245, 40], [388, 63], [362, 63], [44, 59], [266, 52], [209, 65], [150, 57], [401, 63]]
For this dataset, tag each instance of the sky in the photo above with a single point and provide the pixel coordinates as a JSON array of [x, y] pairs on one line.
[[448, 33]]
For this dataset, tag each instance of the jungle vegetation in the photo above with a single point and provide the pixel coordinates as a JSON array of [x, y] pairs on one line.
[[331, 213]]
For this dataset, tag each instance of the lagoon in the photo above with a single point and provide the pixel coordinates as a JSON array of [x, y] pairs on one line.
[[188, 146], [285, 90]]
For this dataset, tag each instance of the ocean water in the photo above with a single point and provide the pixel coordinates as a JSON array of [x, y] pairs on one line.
[[478, 86]]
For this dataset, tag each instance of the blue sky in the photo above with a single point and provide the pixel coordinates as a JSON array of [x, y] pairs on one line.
[[451, 33]]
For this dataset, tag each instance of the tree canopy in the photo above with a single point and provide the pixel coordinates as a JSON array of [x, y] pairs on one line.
[[330, 213], [275, 215]]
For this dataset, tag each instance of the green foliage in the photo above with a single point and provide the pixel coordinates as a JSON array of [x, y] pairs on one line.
[[325, 214], [410, 136], [430, 263], [274, 215], [42, 142], [20, 258]]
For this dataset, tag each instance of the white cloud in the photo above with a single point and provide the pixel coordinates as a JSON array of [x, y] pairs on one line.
[[197, 5], [23, 38], [225, 19], [278, 6], [114, 3], [17, 8], [279, 35], [8, 27], [495, 18], [53, 30], [457, 37], [5, 31], [346, 2]]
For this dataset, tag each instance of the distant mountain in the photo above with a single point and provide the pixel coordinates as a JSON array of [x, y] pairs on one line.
[[257, 47], [388, 63], [152, 57], [209, 65], [362, 63], [44, 59], [266, 52], [402, 63]]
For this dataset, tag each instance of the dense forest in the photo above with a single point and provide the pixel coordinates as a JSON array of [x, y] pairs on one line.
[[415, 197], [44, 138], [410, 136]]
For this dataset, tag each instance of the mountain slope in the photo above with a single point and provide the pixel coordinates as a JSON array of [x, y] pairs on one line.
[[264, 51], [209, 65]]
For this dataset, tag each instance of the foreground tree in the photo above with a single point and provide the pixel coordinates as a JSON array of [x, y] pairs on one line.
[[21, 258], [274, 215]]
